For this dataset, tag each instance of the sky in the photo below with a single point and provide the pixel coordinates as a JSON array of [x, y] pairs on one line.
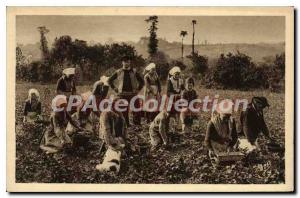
[[214, 29]]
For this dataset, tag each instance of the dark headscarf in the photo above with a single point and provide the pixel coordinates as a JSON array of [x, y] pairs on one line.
[[260, 101]]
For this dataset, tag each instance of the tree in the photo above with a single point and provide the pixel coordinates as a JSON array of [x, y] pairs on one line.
[[20, 59], [193, 41], [44, 43], [92, 60], [279, 63], [62, 49], [162, 64], [234, 71], [200, 63], [182, 34], [153, 41], [34, 69]]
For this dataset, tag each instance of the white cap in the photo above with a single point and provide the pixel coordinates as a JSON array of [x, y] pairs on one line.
[[150, 66], [69, 71], [60, 100], [104, 80], [175, 70], [33, 91]]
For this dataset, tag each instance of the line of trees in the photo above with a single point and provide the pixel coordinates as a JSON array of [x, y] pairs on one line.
[[91, 61], [231, 71]]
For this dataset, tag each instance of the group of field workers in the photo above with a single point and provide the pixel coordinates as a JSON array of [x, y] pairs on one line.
[[70, 128]]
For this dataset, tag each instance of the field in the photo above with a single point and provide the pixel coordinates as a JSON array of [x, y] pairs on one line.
[[183, 163]]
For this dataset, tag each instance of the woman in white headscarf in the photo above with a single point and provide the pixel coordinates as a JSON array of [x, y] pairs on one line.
[[221, 134], [100, 89], [175, 82], [33, 107], [55, 136], [66, 84], [175, 86], [152, 89]]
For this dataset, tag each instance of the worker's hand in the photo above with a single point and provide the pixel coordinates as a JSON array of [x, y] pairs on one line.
[[24, 119]]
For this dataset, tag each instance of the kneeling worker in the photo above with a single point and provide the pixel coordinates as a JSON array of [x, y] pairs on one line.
[[113, 132], [253, 122], [221, 135], [159, 128]]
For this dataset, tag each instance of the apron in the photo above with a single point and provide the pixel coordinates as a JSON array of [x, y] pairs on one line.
[[31, 117]]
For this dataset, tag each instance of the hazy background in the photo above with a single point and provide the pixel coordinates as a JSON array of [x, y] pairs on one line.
[[214, 29]]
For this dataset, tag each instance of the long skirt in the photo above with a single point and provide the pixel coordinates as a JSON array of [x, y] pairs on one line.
[[54, 139], [71, 129], [32, 117], [150, 110]]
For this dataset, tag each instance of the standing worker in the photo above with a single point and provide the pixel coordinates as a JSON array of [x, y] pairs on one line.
[[152, 89], [127, 82], [66, 84]]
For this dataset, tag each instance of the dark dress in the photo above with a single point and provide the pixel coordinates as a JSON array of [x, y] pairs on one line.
[[253, 123], [65, 86], [32, 108]]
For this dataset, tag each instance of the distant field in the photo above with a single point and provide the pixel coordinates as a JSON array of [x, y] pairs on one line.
[[185, 163]]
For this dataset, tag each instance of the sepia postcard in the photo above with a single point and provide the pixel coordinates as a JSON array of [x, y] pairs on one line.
[[150, 99]]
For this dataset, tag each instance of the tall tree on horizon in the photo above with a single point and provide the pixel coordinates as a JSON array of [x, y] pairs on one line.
[[193, 41], [182, 34], [153, 41], [44, 43]]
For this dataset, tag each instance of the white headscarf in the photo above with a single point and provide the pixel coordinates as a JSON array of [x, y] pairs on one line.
[[59, 100], [69, 71], [150, 66], [174, 70], [33, 91], [104, 80]]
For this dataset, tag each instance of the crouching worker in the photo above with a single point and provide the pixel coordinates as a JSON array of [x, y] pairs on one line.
[[187, 116], [221, 135], [55, 136], [33, 107], [253, 123], [158, 130], [112, 131], [82, 117]]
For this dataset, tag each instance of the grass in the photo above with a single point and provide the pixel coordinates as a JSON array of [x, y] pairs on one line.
[[183, 163]]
